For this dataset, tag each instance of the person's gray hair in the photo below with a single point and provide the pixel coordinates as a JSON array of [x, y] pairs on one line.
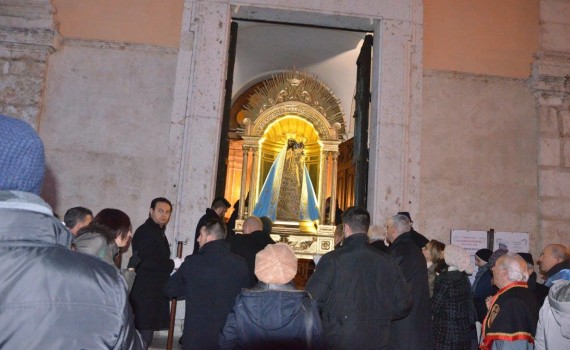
[[401, 223], [376, 233], [515, 266]]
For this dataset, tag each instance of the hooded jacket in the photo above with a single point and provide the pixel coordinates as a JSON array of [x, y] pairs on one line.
[[553, 330], [50, 296], [273, 317]]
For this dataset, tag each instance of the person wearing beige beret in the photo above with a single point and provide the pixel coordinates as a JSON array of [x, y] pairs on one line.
[[273, 314]]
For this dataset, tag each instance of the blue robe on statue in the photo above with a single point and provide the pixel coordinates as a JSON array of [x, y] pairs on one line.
[[288, 185]]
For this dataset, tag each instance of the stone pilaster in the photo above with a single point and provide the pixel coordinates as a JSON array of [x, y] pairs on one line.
[[550, 84], [27, 37]]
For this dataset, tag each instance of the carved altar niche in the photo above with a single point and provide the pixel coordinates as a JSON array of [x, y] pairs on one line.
[[293, 105]]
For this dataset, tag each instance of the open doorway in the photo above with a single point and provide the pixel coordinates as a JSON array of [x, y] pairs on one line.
[[263, 50]]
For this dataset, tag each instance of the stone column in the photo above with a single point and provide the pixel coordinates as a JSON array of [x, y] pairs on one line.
[[395, 117], [197, 112], [333, 187], [243, 190], [28, 36], [253, 180], [553, 109], [323, 195], [550, 84]]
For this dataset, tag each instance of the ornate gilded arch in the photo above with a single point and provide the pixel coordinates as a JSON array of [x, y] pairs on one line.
[[293, 104], [295, 93]]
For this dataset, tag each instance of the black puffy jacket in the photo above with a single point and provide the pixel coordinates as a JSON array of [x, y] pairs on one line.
[[50, 296], [273, 317]]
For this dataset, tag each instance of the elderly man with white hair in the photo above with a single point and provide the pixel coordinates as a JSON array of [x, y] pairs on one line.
[[513, 311]]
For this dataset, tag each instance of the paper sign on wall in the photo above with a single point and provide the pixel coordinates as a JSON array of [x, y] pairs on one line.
[[517, 242]]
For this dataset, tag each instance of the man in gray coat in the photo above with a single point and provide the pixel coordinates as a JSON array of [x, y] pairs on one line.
[[50, 296]]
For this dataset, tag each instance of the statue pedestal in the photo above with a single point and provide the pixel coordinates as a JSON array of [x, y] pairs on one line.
[[305, 239], [305, 244]]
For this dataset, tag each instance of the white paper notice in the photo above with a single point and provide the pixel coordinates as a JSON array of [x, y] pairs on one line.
[[517, 242]]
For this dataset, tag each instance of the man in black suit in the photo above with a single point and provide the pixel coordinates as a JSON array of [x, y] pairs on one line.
[[414, 330], [217, 210], [209, 281], [251, 242]]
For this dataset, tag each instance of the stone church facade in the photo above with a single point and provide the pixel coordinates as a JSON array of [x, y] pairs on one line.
[[124, 122]]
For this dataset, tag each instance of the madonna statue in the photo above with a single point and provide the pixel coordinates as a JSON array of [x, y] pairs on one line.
[[288, 193]]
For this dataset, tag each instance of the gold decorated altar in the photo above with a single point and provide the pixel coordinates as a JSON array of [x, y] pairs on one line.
[[292, 127]]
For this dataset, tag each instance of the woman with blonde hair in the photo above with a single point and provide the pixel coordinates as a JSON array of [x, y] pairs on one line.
[[433, 252]]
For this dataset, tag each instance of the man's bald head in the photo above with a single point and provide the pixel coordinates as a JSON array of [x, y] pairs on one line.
[[251, 224], [551, 255]]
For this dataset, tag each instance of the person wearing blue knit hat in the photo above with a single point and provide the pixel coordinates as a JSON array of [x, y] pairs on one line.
[[52, 297], [21, 157]]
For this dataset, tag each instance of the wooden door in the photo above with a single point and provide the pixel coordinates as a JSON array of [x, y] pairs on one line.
[[345, 175]]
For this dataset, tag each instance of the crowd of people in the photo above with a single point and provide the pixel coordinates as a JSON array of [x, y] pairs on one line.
[[62, 286]]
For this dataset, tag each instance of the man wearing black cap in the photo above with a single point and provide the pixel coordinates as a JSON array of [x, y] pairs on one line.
[[481, 261], [52, 297], [419, 239]]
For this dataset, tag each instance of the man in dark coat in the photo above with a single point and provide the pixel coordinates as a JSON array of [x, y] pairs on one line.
[[50, 296], [419, 240], [218, 209], [150, 245], [413, 331], [209, 281], [248, 244], [359, 290]]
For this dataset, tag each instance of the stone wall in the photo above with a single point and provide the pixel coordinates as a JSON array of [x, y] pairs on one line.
[[550, 84], [478, 160], [27, 37], [106, 110], [105, 125]]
